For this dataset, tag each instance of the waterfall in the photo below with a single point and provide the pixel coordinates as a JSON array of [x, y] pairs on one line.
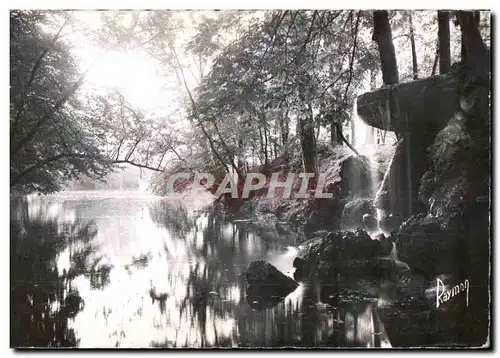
[[365, 144]]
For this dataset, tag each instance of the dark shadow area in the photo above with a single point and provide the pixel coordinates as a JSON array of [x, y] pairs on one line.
[[42, 298]]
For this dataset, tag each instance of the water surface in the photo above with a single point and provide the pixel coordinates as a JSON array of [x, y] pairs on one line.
[[125, 269]]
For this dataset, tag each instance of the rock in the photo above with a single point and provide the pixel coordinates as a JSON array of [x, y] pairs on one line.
[[453, 236], [299, 264], [350, 256], [387, 268], [325, 216], [398, 194], [386, 244], [411, 105], [260, 272], [352, 215], [370, 223], [432, 248], [267, 285], [356, 179], [390, 223]]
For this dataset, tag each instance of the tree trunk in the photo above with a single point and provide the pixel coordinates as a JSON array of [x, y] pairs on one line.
[[307, 139], [472, 42], [261, 140], [266, 154], [318, 127], [333, 134], [353, 133], [284, 137], [444, 41], [382, 35], [468, 17], [413, 49], [285, 129], [276, 139], [436, 59], [241, 158], [477, 17], [373, 87], [335, 137]]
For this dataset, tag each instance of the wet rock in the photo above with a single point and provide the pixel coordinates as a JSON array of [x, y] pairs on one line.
[[267, 285], [299, 264], [346, 256], [370, 223], [425, 246], [453, 236], [325, 215], [390, 223], [352, 215], [355, 174], [399, 190], [456, 243], [386, 244], [388, 268]]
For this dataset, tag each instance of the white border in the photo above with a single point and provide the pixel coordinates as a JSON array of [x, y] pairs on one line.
[[186, 4]]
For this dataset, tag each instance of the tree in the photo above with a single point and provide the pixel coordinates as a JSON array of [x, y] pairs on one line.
[[382, 35], [50, 140], [413, 47], [473, 47], [444, 41]]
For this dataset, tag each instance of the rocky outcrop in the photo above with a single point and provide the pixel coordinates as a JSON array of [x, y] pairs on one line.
[[267, 285], [356, 178], [453, 235], [343, 257], [398, 194], [354, 210], [406, 106], [452, 238]]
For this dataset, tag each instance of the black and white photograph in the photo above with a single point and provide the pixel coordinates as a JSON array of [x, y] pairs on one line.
[[250, 179]]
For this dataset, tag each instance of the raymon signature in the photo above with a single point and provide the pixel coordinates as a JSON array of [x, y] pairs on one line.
[[443, 295]]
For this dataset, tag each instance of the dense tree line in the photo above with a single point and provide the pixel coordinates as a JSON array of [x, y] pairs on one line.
[[255, 88]]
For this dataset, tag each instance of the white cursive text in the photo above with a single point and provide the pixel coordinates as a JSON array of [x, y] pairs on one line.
[[443, 295]]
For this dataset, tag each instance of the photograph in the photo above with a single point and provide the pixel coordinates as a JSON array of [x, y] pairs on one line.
[[250, 179]]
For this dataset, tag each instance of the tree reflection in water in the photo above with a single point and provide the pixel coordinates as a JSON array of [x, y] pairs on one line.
[[42, 298], [214, 307], [177, 280]]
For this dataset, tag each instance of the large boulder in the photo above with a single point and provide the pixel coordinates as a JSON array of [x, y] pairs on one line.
[[325, 216], [267, 285], [455, 230], [409, 106], [346, 257], [451, 240], [356, 177], [354, 210]]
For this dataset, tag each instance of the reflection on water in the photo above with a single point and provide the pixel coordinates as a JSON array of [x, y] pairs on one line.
[[101, 269]]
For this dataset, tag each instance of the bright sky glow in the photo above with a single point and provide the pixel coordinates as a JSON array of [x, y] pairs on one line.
[[134, 73]]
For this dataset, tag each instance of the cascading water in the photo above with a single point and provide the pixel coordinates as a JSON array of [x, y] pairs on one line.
[[364, 142]]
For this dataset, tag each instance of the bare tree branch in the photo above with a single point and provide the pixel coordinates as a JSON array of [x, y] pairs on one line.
[[139, 165]]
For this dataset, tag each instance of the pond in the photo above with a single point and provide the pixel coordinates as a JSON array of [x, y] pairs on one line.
[[98, 269]]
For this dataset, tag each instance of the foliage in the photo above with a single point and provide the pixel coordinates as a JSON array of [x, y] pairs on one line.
[[247, 86], [51, 141]]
